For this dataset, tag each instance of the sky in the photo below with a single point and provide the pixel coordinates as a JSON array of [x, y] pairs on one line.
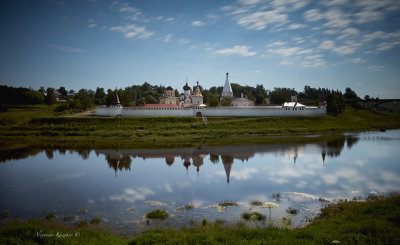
[[277, 43]]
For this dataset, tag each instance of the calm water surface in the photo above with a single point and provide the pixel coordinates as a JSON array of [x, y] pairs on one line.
[[120, 186]]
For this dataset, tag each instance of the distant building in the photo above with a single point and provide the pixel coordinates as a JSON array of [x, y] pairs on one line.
[[227, 91], [169, 97], [187, 99], [191, 105], [243, 101]]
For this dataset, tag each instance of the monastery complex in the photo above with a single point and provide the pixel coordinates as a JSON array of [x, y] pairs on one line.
[[191, 104]]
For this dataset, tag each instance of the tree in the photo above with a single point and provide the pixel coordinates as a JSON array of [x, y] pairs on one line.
[[50, 97], [63, 92], [149, 99], [350, 94], [226, 101], [352, 98], [335, 103], [125, 97], [100, 96], [214, 100], [280, 95], [110, 96], [366, 97], [84, 97]]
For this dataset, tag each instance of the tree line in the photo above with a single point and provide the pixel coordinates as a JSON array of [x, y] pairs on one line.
[[150, 94]]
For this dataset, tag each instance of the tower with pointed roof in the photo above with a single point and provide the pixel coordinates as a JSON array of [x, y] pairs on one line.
[[227, 91], [116, 102]]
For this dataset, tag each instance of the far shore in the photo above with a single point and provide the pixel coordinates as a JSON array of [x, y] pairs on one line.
[[42, 127]]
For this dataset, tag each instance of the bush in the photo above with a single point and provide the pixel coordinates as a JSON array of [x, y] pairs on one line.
[[62, 107]]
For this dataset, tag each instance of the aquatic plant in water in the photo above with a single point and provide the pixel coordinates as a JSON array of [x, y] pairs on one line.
[[157, 214]]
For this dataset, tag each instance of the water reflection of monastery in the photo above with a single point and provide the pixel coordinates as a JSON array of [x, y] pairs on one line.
[[120, 160]]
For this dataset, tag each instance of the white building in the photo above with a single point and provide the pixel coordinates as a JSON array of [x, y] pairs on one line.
[[243, 101]]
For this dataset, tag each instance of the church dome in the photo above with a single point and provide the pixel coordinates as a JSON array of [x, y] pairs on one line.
[[186, 87], [169, 88], [197, 91]]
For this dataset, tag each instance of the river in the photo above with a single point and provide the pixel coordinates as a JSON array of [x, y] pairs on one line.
[[120, 186]]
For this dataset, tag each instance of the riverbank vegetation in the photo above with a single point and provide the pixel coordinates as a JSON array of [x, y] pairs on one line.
[[375, 220]]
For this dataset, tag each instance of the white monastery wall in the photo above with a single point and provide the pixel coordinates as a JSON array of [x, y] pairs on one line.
[[211, 111], [150, 112], [107, 111], [262, 112]]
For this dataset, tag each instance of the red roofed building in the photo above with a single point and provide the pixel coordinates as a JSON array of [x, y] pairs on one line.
[[158, 106]]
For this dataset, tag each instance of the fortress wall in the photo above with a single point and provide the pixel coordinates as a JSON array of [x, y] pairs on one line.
[[107, 111], [262, 112], [137, 112], [210, 112]]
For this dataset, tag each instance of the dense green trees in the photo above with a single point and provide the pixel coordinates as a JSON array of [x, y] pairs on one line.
[[281, 95], [19, 96], [146, 93]]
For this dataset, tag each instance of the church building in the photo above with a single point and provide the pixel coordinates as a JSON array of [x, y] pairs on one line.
[[169, 97], [243, 101]]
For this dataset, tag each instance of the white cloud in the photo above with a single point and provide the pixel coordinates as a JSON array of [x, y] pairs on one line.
[[129, 9], [290, 51], [336, 19], [313, 15], [368, 16], [344, 50], [160, 18], [183, 41], [237, 49], [298, 40], [295, 26], [243, 174], [197, 23], [278, 43], [341, 50], [331, 32], [381, 35], [314, 63], [314, 57], [285, 62], [168, 38], [284, 51], [169, 19], [261, 19], [328, 44], [248, 2], [349, 32], [289, 5], [387, 45], [92, 25], [334, 2], [132, 195], [305, 51], [357, 60], [133, 31]]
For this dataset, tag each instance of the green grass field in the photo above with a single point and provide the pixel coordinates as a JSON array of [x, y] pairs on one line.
[[372, 221], [39, 124]]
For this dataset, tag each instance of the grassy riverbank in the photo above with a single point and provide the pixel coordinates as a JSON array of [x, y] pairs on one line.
[[374, 221], [40, 126]]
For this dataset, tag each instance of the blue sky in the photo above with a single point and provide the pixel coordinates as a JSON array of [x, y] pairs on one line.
[[277, 43]]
